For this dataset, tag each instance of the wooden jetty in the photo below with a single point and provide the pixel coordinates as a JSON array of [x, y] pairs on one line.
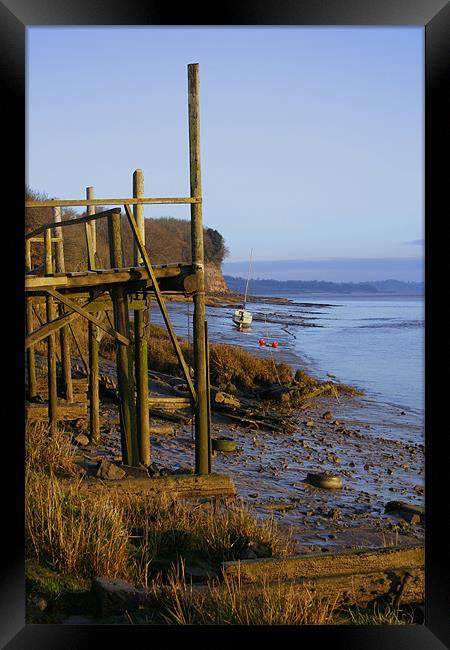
[[93, 292]]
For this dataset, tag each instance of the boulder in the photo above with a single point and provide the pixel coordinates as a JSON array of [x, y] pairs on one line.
[[115, 596], [81, 440], [224, 398], [110, 471], [328, 416]]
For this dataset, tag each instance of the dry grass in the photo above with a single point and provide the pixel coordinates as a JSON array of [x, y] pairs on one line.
[[52, 454], [229, 604], [121, 534]]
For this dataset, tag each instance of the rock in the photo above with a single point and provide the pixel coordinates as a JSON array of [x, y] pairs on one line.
[[39, 603], [309, 423], [248, 554], [334, 514], [198, 572], [137, 472], [81, 440], [328, 416], [224, 398], [367, 467], [110, 471], [115, 596], [153, 470], [81, 424]]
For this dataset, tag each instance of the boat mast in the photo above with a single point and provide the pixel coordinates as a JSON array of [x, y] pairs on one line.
[[248, 277]]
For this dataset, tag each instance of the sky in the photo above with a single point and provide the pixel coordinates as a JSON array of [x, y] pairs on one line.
[[311, 138]]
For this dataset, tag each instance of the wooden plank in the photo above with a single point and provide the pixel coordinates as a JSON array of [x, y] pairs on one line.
[[313, 565], [188, 485]]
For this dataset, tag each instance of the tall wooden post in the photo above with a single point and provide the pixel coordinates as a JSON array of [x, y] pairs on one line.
[[51, 341], [31, 361], [125, 378], [202, 454], [140, 342], [64, 336], [94, 375]]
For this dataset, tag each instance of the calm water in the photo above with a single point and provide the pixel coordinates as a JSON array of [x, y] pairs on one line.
[[374, 343]]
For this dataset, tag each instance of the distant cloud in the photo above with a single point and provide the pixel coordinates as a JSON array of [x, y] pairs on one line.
[[416, 242]]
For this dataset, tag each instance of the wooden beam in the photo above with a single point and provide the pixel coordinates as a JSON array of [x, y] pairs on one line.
[[69, 222], [161, 303], [127, 201], [88, 316]]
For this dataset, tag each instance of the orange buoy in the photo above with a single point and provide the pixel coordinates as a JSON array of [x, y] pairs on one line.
[[275, 344], [262, 342]]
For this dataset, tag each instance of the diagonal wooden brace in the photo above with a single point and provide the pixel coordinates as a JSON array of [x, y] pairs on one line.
[[161, 302], [88, 316], [42, 332]]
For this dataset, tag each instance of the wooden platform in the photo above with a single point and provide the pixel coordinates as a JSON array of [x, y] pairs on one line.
[[180, 277]]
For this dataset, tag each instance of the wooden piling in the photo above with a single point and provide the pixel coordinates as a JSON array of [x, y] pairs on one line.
[[201, 409], [31, 360], [125, 378], [94, 399], [140, 342], [208, 396], [51, 341], [64, 336]]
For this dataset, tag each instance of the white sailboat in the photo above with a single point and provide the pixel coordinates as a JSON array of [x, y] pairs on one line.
[[242, 317]]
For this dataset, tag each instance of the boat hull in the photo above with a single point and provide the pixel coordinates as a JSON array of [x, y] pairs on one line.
[[242, 318]]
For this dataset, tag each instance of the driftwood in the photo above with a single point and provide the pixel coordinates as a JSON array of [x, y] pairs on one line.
[[188, 485], [355, 577]]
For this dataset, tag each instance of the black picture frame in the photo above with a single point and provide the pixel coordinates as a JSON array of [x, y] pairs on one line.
[[15, 17]]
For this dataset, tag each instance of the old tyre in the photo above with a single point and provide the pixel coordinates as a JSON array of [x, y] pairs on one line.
[[223, 444], [325, 480]]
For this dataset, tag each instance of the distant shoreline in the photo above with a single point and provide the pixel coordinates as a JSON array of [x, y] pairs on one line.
[[316, 287]]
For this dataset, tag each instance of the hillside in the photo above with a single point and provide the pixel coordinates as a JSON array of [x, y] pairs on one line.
[[167, 240], [279, 287]]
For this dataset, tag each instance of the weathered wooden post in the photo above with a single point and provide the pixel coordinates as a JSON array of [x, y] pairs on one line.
[[94, 375], [60, 267], [140, 342], [125, 378], [202, 454], [31, 361], [51, 342]]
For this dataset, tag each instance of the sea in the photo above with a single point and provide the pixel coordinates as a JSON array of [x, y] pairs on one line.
[[372, 342]]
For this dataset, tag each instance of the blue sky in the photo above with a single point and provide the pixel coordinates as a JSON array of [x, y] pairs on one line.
[[311, 138]]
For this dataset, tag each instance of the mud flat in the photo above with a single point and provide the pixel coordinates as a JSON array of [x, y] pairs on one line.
[[270, 470]]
